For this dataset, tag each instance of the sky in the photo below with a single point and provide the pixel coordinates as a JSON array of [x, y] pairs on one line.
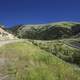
[[13, 12]]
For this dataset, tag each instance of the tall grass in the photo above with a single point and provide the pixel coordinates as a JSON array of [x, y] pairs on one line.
[[25, 61], [61, 48]]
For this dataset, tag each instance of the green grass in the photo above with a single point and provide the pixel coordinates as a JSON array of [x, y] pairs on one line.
[[64, 49], [25, 61], [64, 24]]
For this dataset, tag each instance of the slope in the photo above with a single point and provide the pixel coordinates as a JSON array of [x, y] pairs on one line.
[[50, 31], [25, 61], [66, 49], [5, 35]]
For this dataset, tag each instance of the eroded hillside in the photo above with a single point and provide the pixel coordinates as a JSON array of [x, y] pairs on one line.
[[5, 35]]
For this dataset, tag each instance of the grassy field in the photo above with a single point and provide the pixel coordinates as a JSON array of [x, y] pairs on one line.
[[25, 61]]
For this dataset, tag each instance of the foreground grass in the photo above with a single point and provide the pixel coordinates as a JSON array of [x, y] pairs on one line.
[[25, 61]]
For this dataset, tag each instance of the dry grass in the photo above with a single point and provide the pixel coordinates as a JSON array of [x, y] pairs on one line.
[[25, 61]]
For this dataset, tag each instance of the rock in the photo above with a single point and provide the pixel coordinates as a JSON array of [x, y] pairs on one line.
[[4, 35]]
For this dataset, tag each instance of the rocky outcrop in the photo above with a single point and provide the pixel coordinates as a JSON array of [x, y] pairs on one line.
[[4, 35]]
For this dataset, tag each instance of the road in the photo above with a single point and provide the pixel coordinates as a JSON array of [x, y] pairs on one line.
[[3, 42], [2, 60]]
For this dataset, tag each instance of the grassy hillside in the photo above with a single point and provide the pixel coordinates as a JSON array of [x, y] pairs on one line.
[[50, 31], [25, 61], [66, 49], [64, 24]]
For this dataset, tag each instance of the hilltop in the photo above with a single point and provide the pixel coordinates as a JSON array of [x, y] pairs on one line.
[[50, 31]]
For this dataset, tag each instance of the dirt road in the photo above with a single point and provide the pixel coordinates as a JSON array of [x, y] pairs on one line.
[[3, 42], [3, 60]]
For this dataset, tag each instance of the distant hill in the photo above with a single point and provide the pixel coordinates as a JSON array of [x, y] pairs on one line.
[[58, 30]]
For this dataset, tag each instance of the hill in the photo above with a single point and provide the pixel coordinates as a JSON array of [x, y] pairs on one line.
[[44, 52], [65, 49], [5, 35], [25, 61], [50, 31]]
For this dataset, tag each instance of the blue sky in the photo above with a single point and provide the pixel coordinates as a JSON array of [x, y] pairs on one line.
[[14, 12]]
